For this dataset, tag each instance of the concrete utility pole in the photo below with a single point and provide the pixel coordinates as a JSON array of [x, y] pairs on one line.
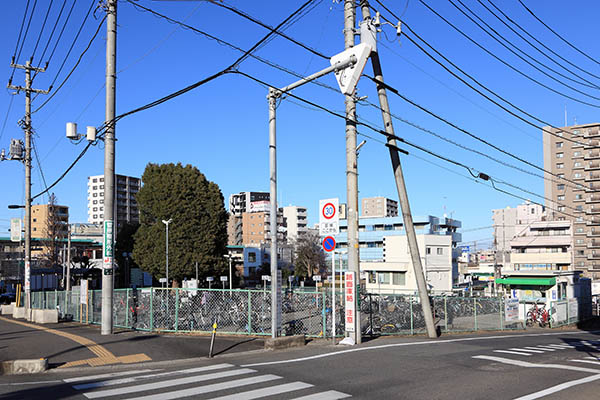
[[275, 289], [109, 169], [401, 187], [351, 171], [27, 127], [68, 283]]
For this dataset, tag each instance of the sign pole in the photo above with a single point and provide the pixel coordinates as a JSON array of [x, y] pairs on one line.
[[333, 297]]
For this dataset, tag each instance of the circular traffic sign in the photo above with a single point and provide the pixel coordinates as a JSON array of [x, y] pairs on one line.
[[328, 210], [329, 243]]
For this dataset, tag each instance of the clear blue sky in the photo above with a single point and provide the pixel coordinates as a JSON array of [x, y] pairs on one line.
[[222, 127]]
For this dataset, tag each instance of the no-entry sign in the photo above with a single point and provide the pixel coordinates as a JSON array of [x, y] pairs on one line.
[[329, 243]]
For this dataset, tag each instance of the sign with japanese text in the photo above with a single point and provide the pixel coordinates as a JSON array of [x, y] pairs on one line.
[[83, 292], [511, 310], [15, 229], [108, 245], [350, 296]]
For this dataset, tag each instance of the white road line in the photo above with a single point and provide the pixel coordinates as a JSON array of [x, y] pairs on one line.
[[593, 358], [424, 342], [92, 377], [588, 362], [209, 388], [28, 383], [526, 350], [519, 353], [164, 384], [560, 346], [541, 347], [121, 381], [264, 392], [330, 395], [532, 365], [558, 388]]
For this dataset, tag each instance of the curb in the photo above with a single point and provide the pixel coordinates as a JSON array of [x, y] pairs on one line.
[[17, 367]]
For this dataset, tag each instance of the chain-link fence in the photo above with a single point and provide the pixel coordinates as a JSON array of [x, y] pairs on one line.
[[570, 311], [248, 312]]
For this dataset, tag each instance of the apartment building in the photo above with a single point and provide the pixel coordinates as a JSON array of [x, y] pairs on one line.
[[573, 153], [126, 207], [242, 202], [49, 217], [256, 228], [378, 207], [296, 220]]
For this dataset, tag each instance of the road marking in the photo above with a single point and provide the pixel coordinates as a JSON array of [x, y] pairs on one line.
[[385, 346], [587, 361], [558, 388], [28, 383], [92, 377], [560, 346], [527, 349], [103, 356], [593, 358], [330, 395], [208, 388], [512, 352], [541, 347], [164, 384], [113, 382], [533, 365], [269, 391]]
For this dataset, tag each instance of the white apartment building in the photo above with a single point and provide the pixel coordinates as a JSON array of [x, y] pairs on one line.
[[396, 274], [242, 202], [126, 207], [296, 222]]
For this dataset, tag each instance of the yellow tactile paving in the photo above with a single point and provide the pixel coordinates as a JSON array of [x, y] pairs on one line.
[[104, 356]]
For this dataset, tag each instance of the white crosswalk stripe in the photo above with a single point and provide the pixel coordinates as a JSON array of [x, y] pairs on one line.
[[220, 379], [526, 350], [519, 353]]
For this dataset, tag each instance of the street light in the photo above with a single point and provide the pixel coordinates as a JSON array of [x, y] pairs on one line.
[[167, 245], [228, 256], [15, 206]]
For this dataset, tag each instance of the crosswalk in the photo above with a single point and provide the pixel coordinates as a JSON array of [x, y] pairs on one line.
[[219, 381], [549, 348]]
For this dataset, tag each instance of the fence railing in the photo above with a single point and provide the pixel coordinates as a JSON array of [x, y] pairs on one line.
[[248, 312], [570, 311]]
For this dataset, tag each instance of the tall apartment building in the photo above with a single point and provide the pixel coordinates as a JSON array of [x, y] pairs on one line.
[[573, 153], [45, 217], [241, 202], [256, 228], [295, 218], [378, 207], [126, 207]]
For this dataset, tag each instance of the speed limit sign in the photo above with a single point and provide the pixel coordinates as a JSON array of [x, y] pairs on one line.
[[329, 217]]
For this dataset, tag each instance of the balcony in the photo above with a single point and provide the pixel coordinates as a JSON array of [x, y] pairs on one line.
[[593, 233], [591, 133], [593, 176], [593, 244], [593, 256], [593, 165], [592, 144], [592, 155], [594, 210], [593, 221]]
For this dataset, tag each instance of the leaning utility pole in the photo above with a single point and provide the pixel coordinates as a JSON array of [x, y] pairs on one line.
[[109, 169], [27, 127], [351, 171], [399, 176]]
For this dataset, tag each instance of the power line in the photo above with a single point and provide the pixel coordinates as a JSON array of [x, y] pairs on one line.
[[507, 64], [163, 99], [14, 57], [37, 42], [537, 41], [52, 32], [7, 115], [558, 35], [72, 69], [61, 33]]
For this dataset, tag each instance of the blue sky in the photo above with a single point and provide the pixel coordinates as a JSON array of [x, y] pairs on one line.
[[221, 127]]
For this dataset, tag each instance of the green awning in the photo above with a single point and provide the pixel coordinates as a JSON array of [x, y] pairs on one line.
[[527, 281], [482, 274]]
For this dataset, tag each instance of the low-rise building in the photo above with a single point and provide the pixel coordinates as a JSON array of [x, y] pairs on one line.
[[544, 245]]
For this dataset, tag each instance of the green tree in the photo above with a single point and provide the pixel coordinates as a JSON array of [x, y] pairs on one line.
[[310, 257], [123, 250], [198, 231]]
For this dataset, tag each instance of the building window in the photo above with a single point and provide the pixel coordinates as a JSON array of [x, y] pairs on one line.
[[579, 208], [95, 209], [559, 145], [579, 219], [251, 257], [579, 241], [560, 197], [576, 133], [384, 278], [576, 154], [579, 230], [577, 164], [561, 176], [560, 166], [95, 216], [560, 186], [533, 210], [561, 208], [101, 186], [580, 252], [399, 278], [428, 250], [440, 251], [95, 194], [35, 220], [95, 187], [101, 201], [577, 175], [94, 180], [101, 194], [101, 179], [560, 155], [95, 201]]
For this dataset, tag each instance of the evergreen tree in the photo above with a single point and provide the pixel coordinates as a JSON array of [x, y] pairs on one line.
[[198, 231]]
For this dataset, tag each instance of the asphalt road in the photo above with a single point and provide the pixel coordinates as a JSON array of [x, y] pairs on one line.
[[519, 365]]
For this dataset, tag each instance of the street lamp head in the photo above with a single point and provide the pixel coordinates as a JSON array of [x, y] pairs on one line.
[[14, 206], [167, 222]]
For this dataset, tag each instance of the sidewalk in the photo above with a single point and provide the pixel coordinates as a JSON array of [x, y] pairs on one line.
[[70, 344]]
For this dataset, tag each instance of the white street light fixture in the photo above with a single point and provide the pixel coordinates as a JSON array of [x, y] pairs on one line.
[[167, 246]]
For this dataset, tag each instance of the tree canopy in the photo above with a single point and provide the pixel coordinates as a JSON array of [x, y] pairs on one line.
[[310, 257], [198, 231]]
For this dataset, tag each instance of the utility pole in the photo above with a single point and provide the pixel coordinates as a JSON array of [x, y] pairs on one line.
[[68, 283], [351, 171], [400, 185], [275, 289], [109, 169], [27, 127]]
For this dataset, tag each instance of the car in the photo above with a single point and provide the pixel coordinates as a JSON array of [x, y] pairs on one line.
[[7, 298]]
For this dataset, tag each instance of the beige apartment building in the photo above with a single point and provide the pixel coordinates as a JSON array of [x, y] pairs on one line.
[[256, 228], [48, 217], [378, 207], [573, 154]]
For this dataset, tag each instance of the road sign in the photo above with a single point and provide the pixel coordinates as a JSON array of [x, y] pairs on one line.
[[329, 244], [223, 279], [317, 278], [83, 292], [108, 250], [266, 278], [210, 279], [349, 295], [15, 229], [329, 217], [162, 280], [347, 78]]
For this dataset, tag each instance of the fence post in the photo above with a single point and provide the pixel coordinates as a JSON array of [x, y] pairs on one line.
[[249, 311], [446, 313], [176, 309], [411, 314], [127, 308], [151, 309], [501, 314], [324, 321], [475, 310]]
